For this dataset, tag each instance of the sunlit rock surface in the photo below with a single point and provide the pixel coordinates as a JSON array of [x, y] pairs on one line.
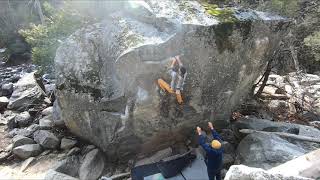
[[107, 72]]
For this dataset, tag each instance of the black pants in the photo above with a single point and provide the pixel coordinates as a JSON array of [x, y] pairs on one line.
[[214, 175]]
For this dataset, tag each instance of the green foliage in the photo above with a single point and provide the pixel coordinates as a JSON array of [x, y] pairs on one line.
[[45, 38], [313, 42], [223, 14], [285, 7]]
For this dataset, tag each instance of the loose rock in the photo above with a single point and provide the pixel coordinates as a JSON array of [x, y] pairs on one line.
[[4, 101], [92, 166], [19, 140], [23, 119], [46, 139], [67, 143], [26, 92], [28, 150], [266, 151], [6, 89]]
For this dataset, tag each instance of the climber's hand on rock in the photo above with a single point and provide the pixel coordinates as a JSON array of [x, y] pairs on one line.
[[199, 130], [178, 91], [210, 125]]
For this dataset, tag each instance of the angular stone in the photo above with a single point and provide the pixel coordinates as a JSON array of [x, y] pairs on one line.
[[23, 119], [19, 140], [73, 151], [69, 166], [4, 101], [92, 166], [28, 150], [6, 89], [26, 92], [67, 143], [46, 139], [22, 132], [266, 151], [46, 122], [47, 111], [54, 175]]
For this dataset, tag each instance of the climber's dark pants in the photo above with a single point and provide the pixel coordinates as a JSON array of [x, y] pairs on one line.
[[214, 175]]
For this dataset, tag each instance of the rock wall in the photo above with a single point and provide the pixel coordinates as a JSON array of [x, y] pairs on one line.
[[107, 72]]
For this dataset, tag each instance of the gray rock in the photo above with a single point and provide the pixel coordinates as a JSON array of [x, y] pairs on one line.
[[23, 119], [28, 150], [266, 151], [46, 122], [11, 122], [241, 172], [19, 140], [92, 166], [228, 160], [47, 111], [6, 89], [87, 149], [67, 143], [46, 139], [228, 148], [4, 101], [54, 175], [28, 162], [26, 92], [116, 80], [56, 113], [69, 166], [22, 132], [33, 127], [73, 151], [271, 126], [156, 157]]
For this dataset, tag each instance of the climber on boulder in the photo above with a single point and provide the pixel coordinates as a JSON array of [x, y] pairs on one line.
[[178, 75], [214, 153]]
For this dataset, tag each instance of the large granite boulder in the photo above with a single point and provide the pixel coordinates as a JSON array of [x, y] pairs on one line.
[[107, 72]]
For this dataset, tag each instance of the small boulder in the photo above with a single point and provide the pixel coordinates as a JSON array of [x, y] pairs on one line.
[[28, 150], [19, 140], [67, 143], [33, 128], [69, 166], [22, 132], [11, 123], [266, 151], [46, 122], [47, 111], [6, 89], [26, 92], [46, 139], [23, 119], [92, 166], [4, 101], [54, 175]]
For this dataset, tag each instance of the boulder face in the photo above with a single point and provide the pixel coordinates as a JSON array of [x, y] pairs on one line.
[[107, 72]]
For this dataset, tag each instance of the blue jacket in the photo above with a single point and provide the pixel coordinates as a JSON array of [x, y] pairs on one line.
[[214, 156]]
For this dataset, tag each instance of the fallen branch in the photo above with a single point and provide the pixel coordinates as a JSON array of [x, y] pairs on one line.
[[282, 134], [120, 176]]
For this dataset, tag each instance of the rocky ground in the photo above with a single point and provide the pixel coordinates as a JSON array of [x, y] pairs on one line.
[[35, 143]]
